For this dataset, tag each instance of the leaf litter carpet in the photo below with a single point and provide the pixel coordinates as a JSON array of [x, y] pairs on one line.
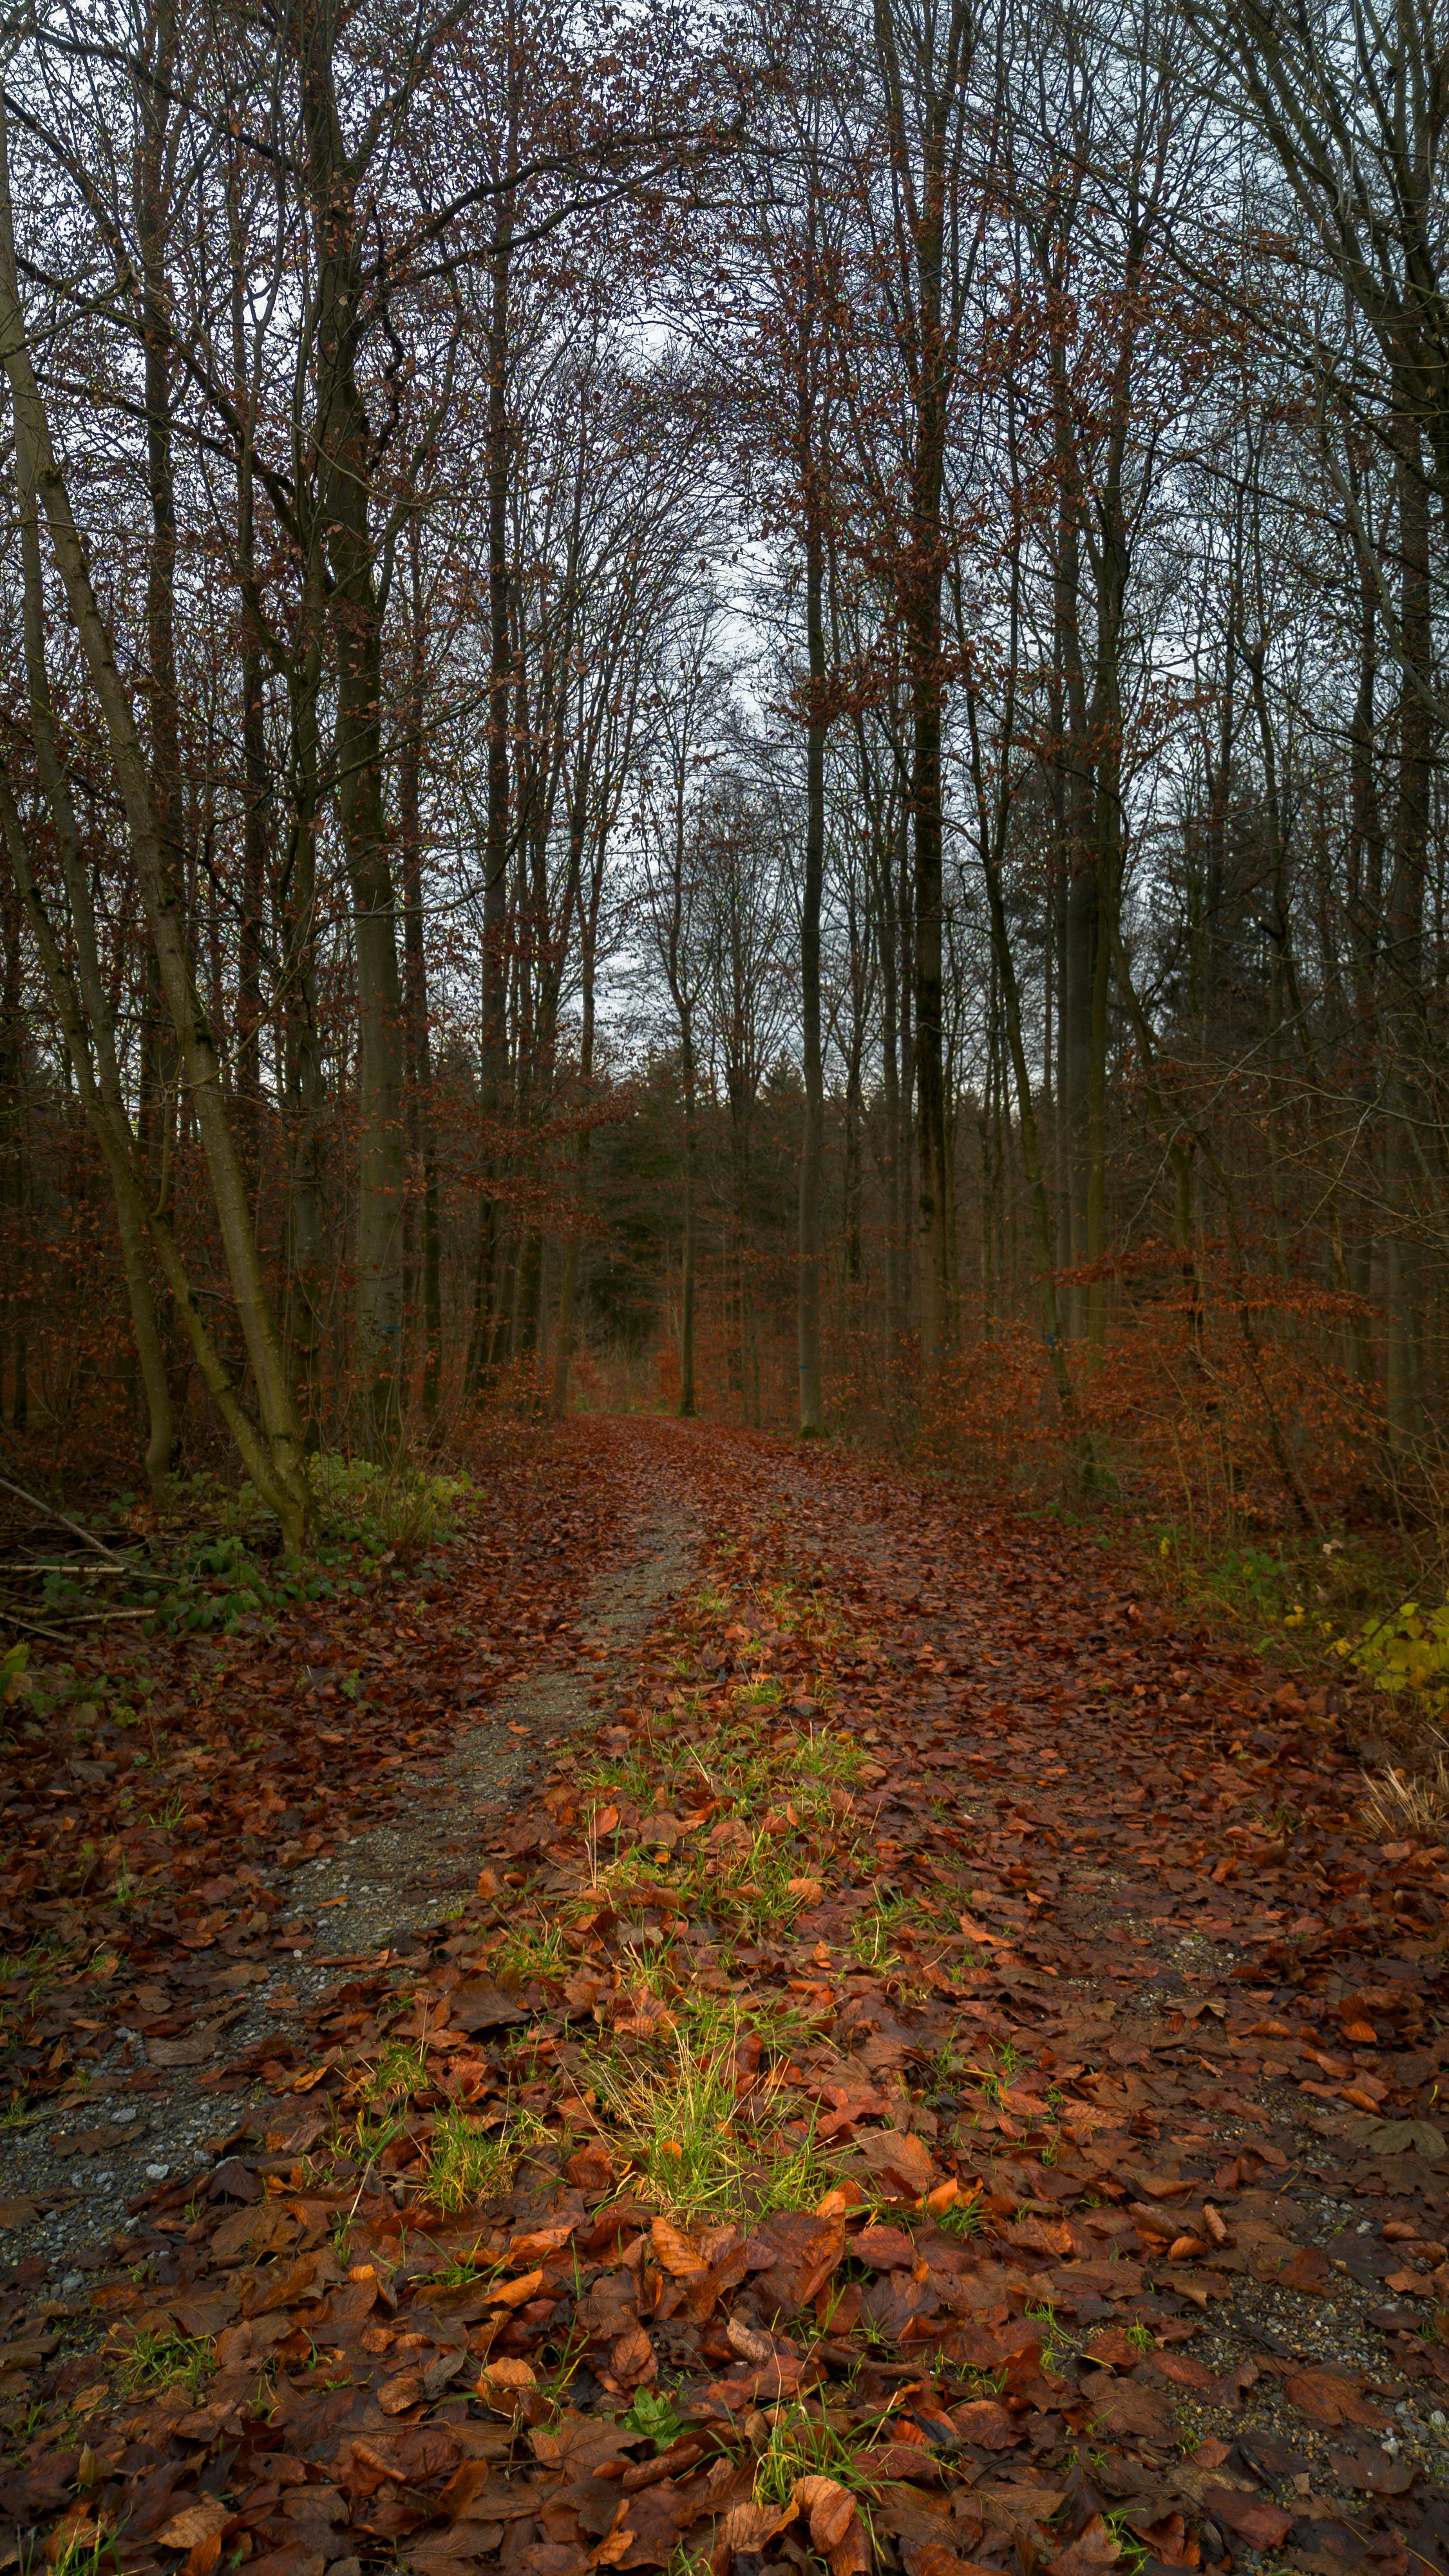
[[931, 2075]]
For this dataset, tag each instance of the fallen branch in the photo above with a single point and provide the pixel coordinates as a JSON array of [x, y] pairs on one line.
[[62, 1520]]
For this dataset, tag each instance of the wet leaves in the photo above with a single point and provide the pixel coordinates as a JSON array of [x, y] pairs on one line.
[[864, 2073]]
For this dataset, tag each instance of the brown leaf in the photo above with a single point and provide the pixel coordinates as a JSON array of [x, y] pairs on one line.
[[478, 2005], [1330, 2398], [192, 2051], [591, 2167], [794, 2254], [396, 2395], [747, 2527], [516, 2294], [195, 2522], [985, 2422], [1411, 2285], [899, 2160], [1129, 2406], [1309, 2269], [461, 2545], [1093, 2548], [299, 2284], [674, 2252], [851, 2555], [262, 2229], [632, 2359], [1252, 2518], [749, 2343], [933, 2558], [1184, 2372], [831, 2508], [503, 2383], [886, 2249]]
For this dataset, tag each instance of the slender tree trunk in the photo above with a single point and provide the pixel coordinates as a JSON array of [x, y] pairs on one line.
[[422, 1141], [812, 1151], [493, 1041], [688, 1400], [344, 443], [1405, 1019], [304, 1076], [256, 783]]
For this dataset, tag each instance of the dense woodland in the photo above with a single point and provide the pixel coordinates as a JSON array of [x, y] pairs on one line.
[[739, 710]]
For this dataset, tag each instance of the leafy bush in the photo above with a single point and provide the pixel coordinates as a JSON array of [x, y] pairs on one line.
[[393, 1510], [1407, 1651]]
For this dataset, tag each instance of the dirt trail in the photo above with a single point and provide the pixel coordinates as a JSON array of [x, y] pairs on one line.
[[1061, 1974], [358, 1907]]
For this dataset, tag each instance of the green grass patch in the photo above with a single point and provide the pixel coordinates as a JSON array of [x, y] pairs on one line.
[[161, 2359], [466, 2163]]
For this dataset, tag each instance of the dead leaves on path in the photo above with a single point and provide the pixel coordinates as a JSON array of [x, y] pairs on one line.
[[791, 2156], [153, 1788]]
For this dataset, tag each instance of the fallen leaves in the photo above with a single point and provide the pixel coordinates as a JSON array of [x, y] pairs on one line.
[[1329, 2397], [850, 2161]]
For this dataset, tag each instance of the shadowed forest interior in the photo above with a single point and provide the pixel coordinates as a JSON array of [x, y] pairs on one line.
[[730, 711]]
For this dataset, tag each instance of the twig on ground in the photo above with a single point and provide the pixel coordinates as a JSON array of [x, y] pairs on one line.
[[62, 1520]]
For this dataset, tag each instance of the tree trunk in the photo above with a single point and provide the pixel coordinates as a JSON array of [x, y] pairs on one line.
[[493, 1036], [812, 1148], [422, 1141], [344, 445], [1404, 1017]]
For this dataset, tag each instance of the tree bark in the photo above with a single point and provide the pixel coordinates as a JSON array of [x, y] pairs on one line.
[[345, 450], [812, 1145]]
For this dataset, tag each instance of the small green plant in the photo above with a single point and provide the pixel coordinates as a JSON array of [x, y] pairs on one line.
[[800, 2176], [466, 2163], [963, 2218], [397, 1510], [1055, 2346], [1408, 1650], [401, 2068], [86, 2552], [1132, 2552], [164, 2360], [760, 1693], [802, 2445], [465, 2268], [533, 1950], [653, 2415], [997, 2079], [621, 1771], [676, 2115], [873, 1933]]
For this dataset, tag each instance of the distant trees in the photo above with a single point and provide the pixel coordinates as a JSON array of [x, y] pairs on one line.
[[776, 707]]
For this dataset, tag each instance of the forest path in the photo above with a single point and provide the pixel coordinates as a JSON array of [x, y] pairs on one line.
[[1018, 1899], [354, 1907]]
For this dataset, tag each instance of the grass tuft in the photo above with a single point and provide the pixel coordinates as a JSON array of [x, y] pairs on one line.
[[802, 2445], [466, 2163], [160, 2360], [1398, 1802]]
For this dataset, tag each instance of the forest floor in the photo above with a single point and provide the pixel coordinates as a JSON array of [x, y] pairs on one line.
[[766, 2013]]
